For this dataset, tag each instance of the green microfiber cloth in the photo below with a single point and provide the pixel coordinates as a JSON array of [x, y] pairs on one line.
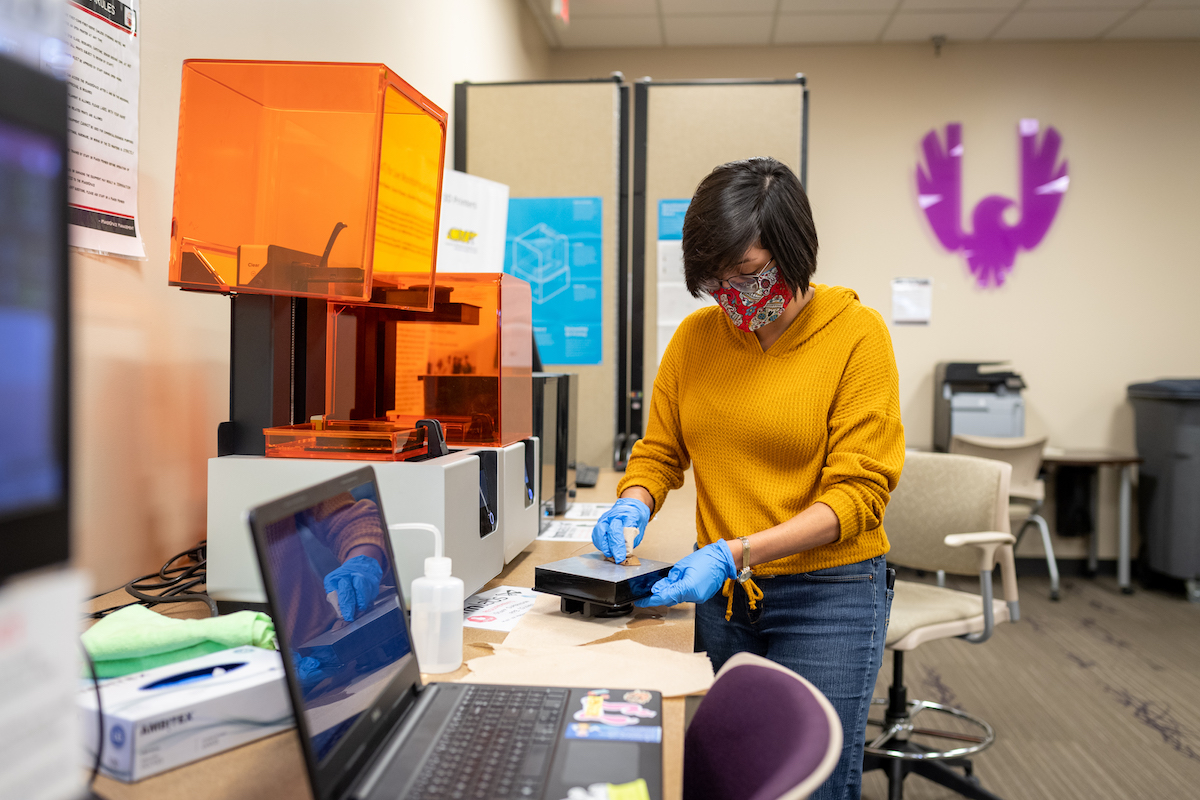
[[136, 639]]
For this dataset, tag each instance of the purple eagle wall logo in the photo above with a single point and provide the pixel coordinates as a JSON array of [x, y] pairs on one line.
[[991, 247]]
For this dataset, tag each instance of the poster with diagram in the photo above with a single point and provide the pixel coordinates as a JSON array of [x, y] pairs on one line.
[[554, 243]]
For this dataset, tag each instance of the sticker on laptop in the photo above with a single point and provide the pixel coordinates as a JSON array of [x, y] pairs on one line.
[[634, 790], [649, 734], [640, 696], [598, 708]]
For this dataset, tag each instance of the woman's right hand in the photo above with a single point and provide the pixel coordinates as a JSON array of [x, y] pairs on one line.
[[609, 533]]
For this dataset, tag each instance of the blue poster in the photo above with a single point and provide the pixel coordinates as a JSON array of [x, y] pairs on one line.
[[554, 243], [670, 218]]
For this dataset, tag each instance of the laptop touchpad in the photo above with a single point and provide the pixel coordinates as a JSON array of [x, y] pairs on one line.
[[600, 762]]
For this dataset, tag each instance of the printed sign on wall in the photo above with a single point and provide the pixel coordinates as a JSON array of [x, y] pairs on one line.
[[991, 247], [555, 244], [472, 224], [674, 301], [103, 126]]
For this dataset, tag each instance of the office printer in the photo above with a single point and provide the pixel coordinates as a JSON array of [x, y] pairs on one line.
[[976, 398]]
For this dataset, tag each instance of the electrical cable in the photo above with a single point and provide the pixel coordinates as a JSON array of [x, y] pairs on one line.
[[171, 584], [99, 715]]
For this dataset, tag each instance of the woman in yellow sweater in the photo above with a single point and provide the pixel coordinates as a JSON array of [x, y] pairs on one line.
[[783, 399]]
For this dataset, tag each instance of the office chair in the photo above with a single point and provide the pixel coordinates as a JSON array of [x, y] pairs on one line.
[[761, 733], [942, 504], [1027, 491]]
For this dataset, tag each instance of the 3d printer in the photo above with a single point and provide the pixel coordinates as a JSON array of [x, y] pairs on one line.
[[309, 194]]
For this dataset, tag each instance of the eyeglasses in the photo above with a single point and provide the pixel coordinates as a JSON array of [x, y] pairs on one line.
[[740, 283]]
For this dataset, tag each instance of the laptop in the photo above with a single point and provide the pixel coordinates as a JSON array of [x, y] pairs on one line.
[[369, 727]]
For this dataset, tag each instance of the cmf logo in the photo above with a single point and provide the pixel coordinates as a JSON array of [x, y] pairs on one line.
[[116, 735], [991, 247]]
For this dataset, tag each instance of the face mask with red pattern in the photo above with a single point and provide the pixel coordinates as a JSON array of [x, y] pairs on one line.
[[756, 302]]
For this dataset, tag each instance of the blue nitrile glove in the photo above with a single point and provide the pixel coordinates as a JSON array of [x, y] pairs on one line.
[[694, 578], [356, 582], [314, 668], [609, 533]]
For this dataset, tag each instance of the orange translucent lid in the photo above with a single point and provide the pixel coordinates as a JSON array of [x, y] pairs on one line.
[[306, 179]]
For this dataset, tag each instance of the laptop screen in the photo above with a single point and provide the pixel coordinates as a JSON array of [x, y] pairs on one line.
[[338, 612]]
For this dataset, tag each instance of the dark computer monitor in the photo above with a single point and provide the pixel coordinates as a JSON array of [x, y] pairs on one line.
[[34, 321]]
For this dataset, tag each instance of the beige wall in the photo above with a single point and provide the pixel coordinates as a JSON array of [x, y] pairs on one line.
[[152, 362], [1109, 297]]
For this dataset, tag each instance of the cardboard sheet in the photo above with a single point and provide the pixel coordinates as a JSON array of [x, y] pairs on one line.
[[632, 665], [545, 626]]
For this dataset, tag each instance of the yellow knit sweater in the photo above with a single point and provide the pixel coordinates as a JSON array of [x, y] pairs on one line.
[[815, 418]]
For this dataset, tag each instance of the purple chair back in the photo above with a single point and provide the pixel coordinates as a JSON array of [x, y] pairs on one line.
[[760, 732]]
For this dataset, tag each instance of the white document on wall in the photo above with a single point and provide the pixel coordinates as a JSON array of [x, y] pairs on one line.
[[674, 300], [474, 219], [912, 301], [40, 739], [102, 124]]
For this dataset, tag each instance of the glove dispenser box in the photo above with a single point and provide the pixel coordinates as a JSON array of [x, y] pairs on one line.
[[455, 493]]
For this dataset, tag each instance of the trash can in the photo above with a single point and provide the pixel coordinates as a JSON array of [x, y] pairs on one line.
[[1167, 417]]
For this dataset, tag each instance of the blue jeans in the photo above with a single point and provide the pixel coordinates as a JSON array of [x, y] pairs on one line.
[[829, 626]]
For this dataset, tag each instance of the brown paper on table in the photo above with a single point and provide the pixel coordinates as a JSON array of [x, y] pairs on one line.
[[544, 625], [621, 664]]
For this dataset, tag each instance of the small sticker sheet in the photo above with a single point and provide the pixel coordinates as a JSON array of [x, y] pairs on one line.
[[649, 734], [498, 609], [597, 707], [634, 790]]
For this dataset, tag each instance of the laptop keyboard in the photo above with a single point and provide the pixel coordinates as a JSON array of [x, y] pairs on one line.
[[497, 745]]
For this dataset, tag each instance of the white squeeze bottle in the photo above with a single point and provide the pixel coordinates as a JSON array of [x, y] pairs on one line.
[[437, 617]]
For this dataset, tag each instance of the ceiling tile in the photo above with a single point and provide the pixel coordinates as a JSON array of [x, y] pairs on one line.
[[806, 28], [739, 8], [1090, 5], [959, 5], [613, 8], [610, 32], [1165, 23], [718, 31], [840, 6], [960, 26], [1058, 24]]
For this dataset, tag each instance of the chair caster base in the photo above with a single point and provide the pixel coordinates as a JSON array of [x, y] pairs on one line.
[[943, 774]]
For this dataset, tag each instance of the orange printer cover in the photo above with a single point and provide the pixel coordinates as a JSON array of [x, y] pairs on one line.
[[306, 179]]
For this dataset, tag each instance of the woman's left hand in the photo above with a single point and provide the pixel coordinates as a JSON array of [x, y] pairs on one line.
[[695, 577]]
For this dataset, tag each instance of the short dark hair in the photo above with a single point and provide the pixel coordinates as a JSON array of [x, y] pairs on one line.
[[741, 204]]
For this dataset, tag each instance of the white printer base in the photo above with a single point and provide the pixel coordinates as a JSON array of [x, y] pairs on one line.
[[442, 492]]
